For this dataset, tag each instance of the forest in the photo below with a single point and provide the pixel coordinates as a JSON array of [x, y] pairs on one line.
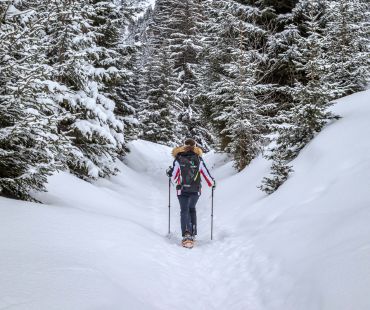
[[81, 79]]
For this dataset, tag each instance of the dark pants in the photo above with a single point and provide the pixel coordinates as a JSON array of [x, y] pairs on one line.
[[188, 212]]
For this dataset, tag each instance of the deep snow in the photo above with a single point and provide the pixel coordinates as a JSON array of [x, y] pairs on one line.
[[104, 245]]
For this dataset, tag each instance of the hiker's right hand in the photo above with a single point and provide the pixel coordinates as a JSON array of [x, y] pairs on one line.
[[214, 184], [169, 171]]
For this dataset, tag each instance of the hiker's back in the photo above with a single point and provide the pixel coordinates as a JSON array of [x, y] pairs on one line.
[[190, 177]]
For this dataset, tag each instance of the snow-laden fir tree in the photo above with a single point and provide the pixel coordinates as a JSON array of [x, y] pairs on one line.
[[116, 34], [29, 142], [242, 125], [159, 98], [109, 24], [276, 70], [178, 26], [213, 91], [234, 59], [156, 81], [126, 95], [243, 122], [89, 120], [347, 46], [187, 46], [311, 95], [133, 47]]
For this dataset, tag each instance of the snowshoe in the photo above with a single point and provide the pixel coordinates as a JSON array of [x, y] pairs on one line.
[[187, 241]]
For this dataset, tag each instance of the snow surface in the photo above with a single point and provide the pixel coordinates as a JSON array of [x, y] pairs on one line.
[[104, 246]]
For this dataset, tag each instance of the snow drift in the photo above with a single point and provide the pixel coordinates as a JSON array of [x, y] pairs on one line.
[[104, 245]]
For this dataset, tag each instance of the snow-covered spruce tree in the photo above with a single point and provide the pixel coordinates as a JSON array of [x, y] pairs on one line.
[[311, 96], [134, 49], [155, 78], [280, 172], [347, 46], [186, 47], [276, 71], [234, 58], [213, 90], [243, 122], [113, 20], [243, 126], [74, 55], [29, 142], [127, 91], [156, 118], [215, 53], [109, 23], [177, 25]]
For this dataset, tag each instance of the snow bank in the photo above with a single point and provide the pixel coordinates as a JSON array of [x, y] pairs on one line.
[[104, 245], [59, 258], [317, 224]]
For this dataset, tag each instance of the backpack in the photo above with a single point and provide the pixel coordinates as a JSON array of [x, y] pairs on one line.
[[190, 175]]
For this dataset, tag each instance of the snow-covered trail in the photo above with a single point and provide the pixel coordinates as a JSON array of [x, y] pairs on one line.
[[226, 272]]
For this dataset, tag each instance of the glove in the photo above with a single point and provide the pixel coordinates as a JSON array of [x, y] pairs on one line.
[[169, 171], [214, 184]]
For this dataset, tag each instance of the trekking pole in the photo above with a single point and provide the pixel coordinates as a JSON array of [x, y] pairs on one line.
[[169, 206], [213, 189]]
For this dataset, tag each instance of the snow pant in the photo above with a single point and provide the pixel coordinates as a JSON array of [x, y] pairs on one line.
[[188, 215]]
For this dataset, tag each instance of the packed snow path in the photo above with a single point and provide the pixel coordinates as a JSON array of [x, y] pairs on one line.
[[104, 246], [227, 272]]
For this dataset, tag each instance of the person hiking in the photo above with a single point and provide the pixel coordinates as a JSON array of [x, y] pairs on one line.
[[186, 172]]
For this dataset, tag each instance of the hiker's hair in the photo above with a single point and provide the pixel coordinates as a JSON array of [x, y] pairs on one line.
[[190, 142]]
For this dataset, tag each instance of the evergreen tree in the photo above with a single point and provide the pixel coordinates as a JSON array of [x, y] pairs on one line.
[[311, 96], [234, 59], [214, 90], [347, 46], [109, 23], [133, 44], [243, 122], [186, 47], [89, 122], [127, 91], [243, 127], [29, 141], [280, 172], [157, 120], [276, 70], [177, 28]]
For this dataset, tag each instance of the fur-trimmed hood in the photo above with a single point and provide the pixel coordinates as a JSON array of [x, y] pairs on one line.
[[187, 148]]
